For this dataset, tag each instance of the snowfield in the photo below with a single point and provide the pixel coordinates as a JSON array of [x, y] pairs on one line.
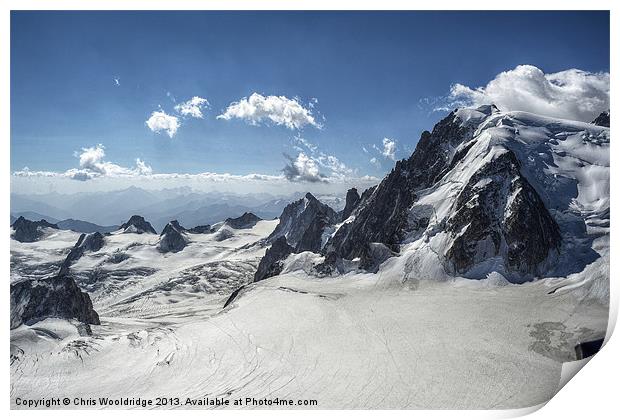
[[409, 336], [358, 341]]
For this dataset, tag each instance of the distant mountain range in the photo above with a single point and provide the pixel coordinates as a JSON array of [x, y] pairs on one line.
[[107, 209], [80, 226]]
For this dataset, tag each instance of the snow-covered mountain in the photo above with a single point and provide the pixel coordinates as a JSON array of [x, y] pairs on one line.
[[510, 193], [481, 259]]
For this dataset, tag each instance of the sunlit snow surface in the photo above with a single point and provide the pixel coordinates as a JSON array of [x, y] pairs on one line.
[[409, 336]]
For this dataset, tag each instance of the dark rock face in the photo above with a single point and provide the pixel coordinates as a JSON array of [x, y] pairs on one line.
[[173, 225], [246, 221], [302, 223], [201, 229], [87, 242], [500, 213], [172, 238], [271, 264], [58, 296], [602, 119], [137, 224], [352, 200], [29, 231]]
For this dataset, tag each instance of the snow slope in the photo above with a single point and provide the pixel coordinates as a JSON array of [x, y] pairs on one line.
[[357, 341]]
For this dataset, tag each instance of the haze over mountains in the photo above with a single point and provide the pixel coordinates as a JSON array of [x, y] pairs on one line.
[[190, 208]]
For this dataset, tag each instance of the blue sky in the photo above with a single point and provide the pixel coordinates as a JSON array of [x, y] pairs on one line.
[[374, 76]]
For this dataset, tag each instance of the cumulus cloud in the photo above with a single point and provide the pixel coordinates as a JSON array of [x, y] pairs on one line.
[[192, 107], [302, 169], [389, 149], [335, 168], [160, 121], [278, 110], [92, 164], [571, 94]]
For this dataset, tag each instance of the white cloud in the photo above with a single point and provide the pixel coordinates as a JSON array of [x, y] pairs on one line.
[[142, 168], [389, 149], [305, 143], [160, 121], [278, 110], [117, 81], [302, 169], [337, 168], [571, 94], [92, 165], [192, 107], [375, 162]]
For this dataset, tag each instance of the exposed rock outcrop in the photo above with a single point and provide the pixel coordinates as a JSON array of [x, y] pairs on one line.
[[87, 242], [499, 213], [137, 224], [172, 238], [245, 221], [352, 200], [303, 223], [602, 119], [201, 229], [58, 296], [272, 263], [29, 231]]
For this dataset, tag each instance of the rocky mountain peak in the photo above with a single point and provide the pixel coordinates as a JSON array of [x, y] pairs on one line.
[[173, 225], [497, 213], [58, 297], [352, 200], [245, 221], [172, 238], [603, 119], [29, 231], [271, 264], [201, 229], [303, 222], [137, 224], [87, 242]]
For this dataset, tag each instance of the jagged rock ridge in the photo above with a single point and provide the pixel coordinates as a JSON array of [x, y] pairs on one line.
[[58, 296], [602, 120], [87, 242], [382, 215], [245, 221], [29, 231], [172, 238], [137, 224], [351, 202], [493, 217], [500, 213], [271, 264], [303, 224], [201, 229]]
